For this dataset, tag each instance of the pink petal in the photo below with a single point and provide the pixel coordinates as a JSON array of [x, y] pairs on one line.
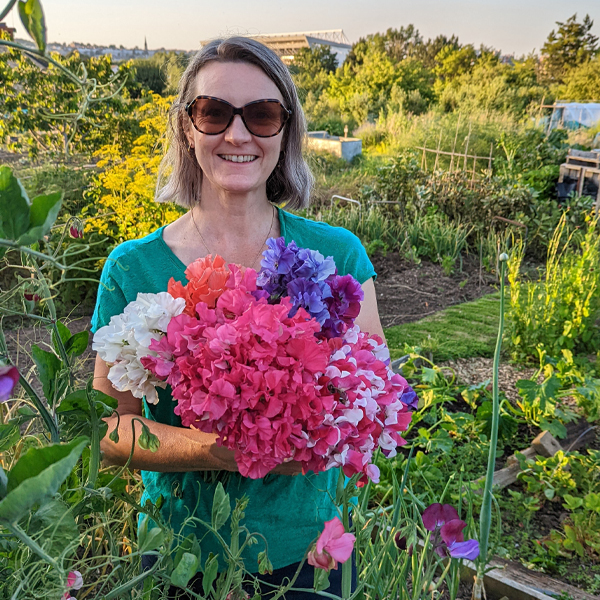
[[332, 530], [341, 548]]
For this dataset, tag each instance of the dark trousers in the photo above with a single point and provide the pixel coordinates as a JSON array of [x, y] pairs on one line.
[[304, 580]]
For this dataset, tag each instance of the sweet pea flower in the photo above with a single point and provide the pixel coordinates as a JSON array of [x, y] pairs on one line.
[[448, 540], [74, 582], [76, 230], [334, 545], [9, 375]]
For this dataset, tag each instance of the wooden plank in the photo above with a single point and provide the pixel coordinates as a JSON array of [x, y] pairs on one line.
[[510, 579]]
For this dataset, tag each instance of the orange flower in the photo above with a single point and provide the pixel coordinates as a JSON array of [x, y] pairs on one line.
[[207, 278]]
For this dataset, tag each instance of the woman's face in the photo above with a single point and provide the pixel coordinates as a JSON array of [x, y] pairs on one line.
[[238, 83]]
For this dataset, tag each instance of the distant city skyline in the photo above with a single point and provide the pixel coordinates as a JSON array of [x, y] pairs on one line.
[[511, 26]]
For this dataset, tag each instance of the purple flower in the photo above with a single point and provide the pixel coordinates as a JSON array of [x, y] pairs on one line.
[[310, 296], [437, 514], [9, 375], [279, 258], [410, 398], [442, 519], [312, 265], [343, 305]]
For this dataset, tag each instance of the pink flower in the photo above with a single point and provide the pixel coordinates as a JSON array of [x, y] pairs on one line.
[[74, 582], [9, 375], [334, 545]]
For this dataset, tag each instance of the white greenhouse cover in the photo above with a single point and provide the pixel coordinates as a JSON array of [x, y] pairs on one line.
[[577, 114]]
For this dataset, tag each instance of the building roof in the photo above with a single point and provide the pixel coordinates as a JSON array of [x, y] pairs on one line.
[[286, 45]]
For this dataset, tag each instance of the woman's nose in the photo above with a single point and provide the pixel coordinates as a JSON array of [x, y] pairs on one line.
[[237, 132]]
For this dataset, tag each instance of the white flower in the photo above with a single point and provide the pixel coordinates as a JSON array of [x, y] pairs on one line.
[[127, 338]]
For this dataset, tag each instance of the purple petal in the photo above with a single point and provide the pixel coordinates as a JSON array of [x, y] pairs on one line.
[[431, 516], [468, 549], [452, 531]]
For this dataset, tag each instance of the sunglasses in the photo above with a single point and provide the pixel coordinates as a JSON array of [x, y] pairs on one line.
[[262, 118]]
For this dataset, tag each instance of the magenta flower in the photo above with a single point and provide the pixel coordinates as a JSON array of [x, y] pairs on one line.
[[31, 297], [9, 375], [334, 545], [448, 539]]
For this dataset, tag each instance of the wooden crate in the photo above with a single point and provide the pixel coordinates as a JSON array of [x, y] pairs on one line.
[[582, 166]]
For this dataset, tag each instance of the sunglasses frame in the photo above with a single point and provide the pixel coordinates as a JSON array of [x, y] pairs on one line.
[[238, 111]]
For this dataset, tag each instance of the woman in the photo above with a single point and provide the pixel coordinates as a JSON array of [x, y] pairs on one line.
[[237, 131]]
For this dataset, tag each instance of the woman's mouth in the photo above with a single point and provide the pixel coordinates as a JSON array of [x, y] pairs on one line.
[[239, 158]]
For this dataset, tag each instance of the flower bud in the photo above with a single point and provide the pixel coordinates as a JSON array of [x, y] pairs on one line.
[[503, 257], [76, 229], [31, 297]]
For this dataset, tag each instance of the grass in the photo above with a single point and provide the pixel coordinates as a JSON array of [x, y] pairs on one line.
[[460, 331]]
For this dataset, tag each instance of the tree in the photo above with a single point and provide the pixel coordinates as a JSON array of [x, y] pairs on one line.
[[398, 45], [572, 44], [583, 82], [311, 69]]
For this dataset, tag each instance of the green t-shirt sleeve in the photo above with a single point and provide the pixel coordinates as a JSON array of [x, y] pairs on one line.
[[357, 260], [110, 299]]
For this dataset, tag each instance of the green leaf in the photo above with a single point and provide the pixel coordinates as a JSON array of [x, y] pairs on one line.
[[32, 17], [572, 503], [210, 573], [77, 402], [544, 393], [63, 332], [429, 375], [221, 508], [77, 344], [37, 475], [9, 436], [14, 206], [592, 502], [190, 544], [149, 538], [185, 570], [3, 483], [555, 427], [55, 522], [43, 213], [48, 365]]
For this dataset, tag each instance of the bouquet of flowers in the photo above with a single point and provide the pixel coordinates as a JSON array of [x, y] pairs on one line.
[[270, 362]]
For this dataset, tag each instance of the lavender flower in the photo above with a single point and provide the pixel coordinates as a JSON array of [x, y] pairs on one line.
[[448, 540], [311, 281]]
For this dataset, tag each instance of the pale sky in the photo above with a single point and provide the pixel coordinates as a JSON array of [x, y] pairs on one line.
[[512, 26]]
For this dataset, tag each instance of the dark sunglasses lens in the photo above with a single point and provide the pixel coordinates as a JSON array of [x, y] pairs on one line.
[[264, 119], [211, 116]]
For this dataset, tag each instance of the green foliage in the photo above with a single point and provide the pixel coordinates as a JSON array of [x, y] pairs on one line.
[[569, 46], [582, 83], [57, 112], [560, 310]]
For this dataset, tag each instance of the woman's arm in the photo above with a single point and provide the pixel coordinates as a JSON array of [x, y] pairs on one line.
[[181, 448], [368, 318]]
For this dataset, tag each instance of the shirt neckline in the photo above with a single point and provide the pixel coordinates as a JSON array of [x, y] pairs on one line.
[[183, 267]]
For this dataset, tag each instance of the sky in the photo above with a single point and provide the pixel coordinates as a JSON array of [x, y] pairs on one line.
[[511, 26]]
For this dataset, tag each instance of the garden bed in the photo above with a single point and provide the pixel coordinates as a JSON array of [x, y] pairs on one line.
[[407, 291]]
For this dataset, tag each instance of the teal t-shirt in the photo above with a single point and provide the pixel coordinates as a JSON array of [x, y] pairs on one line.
[[288, 511]]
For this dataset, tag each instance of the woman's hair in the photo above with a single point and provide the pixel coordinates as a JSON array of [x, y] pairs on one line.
[[180, 175]]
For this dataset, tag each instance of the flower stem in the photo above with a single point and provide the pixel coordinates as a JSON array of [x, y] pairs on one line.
[[486, 507]]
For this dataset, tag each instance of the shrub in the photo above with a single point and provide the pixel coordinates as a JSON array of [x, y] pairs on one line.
[[558, 311]]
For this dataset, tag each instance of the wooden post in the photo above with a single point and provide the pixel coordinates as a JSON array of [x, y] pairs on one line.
[[490, 160], [467, 148], [454, 144], [581, 181], [437, 154], [473, 174]]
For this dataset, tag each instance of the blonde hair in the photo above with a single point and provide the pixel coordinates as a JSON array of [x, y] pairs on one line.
[[180, 175]]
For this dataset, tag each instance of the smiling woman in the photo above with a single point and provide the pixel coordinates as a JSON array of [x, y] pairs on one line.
[[234, 160]]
